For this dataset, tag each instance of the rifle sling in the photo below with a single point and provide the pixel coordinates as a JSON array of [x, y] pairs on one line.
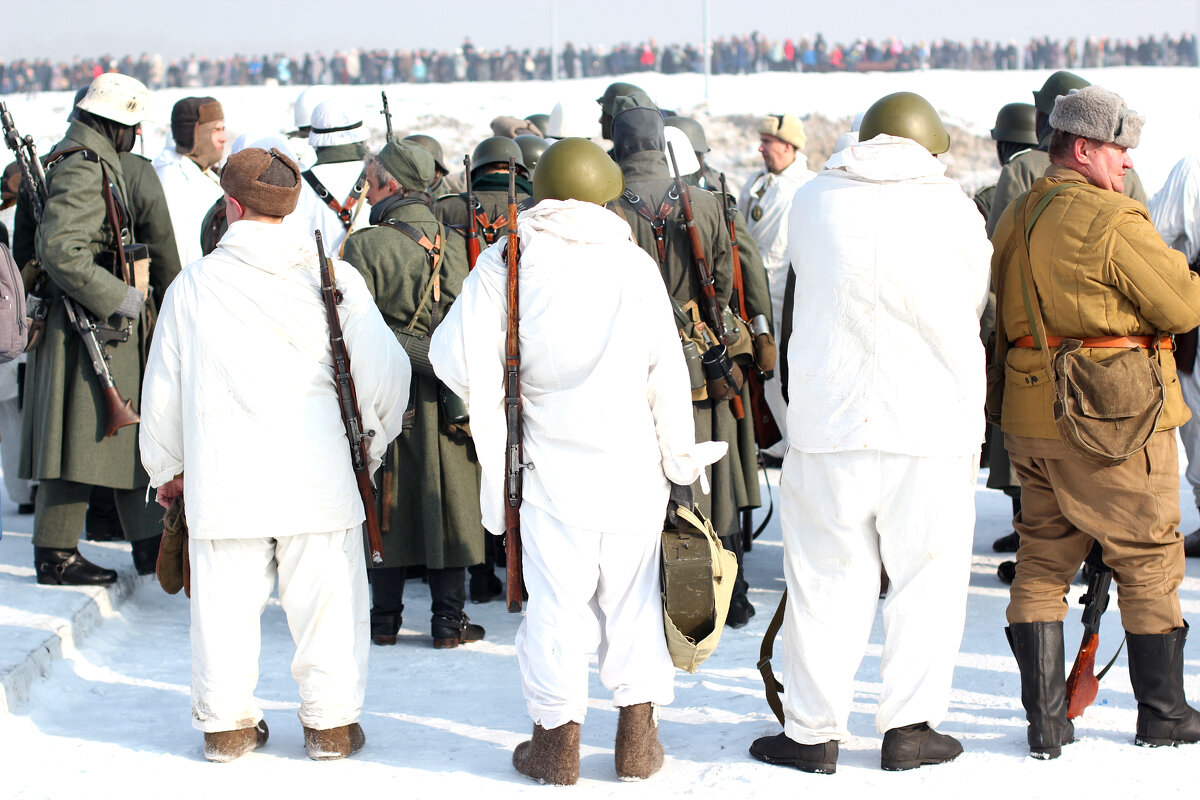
[[341, 209], [770, 683]]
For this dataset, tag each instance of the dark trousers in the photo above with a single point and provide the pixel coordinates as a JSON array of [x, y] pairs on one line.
[[447, 588], [61, 506]]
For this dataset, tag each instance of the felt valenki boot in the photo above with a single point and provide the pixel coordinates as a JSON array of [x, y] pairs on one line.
[[551, 756], [1156, 673], [225, 746], [1038, 648], [638, 752], [334, 743]]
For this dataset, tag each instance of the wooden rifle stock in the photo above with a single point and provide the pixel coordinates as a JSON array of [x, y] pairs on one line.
[[472, 234], [348, 404], [708, 289], [512, 409], [1082, 682]]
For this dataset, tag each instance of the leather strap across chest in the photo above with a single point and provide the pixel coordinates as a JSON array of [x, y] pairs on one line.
[[344, 209], [490, 230], [433, 256], [658, 221]]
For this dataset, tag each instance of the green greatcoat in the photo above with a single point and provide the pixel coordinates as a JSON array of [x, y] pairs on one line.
[[758, 301], [63, 433], [435, 516], [647, 176], [491, 194]]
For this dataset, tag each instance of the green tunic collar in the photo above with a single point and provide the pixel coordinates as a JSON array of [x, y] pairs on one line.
[[341, 153]]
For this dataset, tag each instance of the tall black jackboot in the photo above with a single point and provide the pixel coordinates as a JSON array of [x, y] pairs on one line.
[[1038, 647], [1156, 672], [387, 603], [740, 609]]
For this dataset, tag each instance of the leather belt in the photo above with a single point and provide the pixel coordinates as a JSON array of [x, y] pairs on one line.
[[1145, 342]]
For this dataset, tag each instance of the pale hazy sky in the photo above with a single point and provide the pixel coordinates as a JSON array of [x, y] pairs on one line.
[[220, 27]]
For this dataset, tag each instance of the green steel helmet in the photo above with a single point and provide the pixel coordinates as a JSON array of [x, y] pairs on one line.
[[577, 169], [1016, 122], [693, 129], [616, 90], [495, 150], [1058, 84], [532, 148], [432, 145], [542, 121], [908, 115]]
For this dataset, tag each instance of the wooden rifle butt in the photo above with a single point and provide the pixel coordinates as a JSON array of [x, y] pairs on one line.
[[512, 559], [120, 411], [1082, 684]]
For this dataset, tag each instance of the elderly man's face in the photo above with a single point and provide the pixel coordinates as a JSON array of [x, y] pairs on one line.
[[1104, 164], [777, 155], [377, 191]]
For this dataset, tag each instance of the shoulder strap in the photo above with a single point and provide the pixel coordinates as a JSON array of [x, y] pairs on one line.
[[1033, 309], [770, 683], [343, 211], [433, 254], [657, 220]]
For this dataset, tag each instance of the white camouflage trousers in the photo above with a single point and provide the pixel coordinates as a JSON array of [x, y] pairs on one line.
[[843, 514], [589, 591], [323, 591]]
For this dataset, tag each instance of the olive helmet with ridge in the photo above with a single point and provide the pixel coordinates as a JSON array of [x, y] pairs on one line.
[[577, 169], [1016, 122], [909, 115]]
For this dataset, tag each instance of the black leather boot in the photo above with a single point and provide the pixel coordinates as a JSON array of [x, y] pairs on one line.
[[448, 591], [1038, 648], [1156, 673], [819, 758], [918, 745], [68, 568], [740, 608], [387, 603], [145, 554]]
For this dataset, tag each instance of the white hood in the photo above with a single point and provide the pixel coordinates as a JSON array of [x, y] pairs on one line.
[[887, 158]]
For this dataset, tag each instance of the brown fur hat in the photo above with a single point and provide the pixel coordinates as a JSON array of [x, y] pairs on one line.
[[189, 113], [266, 182]]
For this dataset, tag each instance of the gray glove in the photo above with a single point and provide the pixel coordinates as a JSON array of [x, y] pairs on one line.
[[133, 303], [680, 496]]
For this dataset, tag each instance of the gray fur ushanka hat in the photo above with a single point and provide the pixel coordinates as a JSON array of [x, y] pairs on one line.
[[1096, 113]]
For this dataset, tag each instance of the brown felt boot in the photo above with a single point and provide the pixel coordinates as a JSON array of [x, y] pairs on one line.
[[639, 754], [223, 746], [551, 756], [334, 743]]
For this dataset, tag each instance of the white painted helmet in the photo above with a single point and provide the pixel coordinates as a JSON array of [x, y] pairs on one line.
[[118, 97], [307, 102], [685, 156], [573, 120]]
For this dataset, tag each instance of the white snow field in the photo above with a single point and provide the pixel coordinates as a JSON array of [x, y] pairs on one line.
[[110, 718]]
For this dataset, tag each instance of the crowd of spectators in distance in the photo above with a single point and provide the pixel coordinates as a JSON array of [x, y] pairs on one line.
[[732, 55]]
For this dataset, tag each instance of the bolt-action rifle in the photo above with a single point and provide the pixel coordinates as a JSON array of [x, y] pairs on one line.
[[343, 382], [512, 407], [1082, 684], [387, 115], [33, 183], [724, 380], [472, 234], [766, 429]]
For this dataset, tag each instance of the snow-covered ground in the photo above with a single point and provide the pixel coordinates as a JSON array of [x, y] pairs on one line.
[[112, 717]]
